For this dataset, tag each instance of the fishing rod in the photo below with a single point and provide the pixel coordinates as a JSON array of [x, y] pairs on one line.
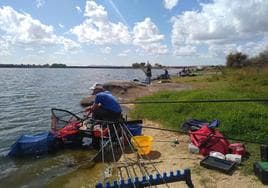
[[137, 122], [196, 101], [183, 132]]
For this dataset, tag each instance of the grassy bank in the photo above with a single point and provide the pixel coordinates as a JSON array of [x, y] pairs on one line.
[[247, 121]]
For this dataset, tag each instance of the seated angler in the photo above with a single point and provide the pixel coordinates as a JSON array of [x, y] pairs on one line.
[[105, 106]]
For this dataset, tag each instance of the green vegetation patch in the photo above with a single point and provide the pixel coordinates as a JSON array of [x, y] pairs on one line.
[[238, 120]]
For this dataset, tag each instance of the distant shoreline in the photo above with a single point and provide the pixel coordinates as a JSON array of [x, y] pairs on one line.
[[87, 67]]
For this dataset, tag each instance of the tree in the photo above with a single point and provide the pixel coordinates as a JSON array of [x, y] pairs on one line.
[[55, 65], [263, 57], [237, 60]]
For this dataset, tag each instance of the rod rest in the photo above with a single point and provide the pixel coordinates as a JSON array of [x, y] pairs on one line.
[[185, 175]]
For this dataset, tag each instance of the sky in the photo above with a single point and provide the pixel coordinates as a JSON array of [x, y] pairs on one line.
[[123, 32]]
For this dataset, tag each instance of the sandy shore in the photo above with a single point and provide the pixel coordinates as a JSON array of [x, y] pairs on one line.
[[170, 157]]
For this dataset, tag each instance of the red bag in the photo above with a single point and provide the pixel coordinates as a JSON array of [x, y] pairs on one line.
[[238, 148], [208, 139]]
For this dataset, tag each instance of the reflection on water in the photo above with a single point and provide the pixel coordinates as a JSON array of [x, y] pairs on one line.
[[50, 170]]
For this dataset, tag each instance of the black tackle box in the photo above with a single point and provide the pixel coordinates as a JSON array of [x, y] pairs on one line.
[[218, 164], [261, 171]]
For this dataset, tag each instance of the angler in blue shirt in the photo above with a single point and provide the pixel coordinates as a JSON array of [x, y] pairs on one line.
[[105, 106]]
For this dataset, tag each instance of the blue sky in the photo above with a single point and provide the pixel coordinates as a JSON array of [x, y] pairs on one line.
[[122, 32]]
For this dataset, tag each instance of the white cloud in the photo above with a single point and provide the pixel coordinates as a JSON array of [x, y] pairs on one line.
[[23, 29], [106, 50], [147, 36], [98, 29], [69, 45], [34, 59], [221, 49], [59, 53], [95, 11], [40, 3], [4, 47], [185, 50], [41, 51], [224, 22], [124, 53], [146, 32], [28, 49], [61, 26], [169, 4], [78, 9]]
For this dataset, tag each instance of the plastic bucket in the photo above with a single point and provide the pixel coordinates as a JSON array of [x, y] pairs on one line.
[[135, 129], [142, 143]]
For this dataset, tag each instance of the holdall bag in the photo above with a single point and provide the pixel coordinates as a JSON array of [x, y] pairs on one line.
[[208, 139]]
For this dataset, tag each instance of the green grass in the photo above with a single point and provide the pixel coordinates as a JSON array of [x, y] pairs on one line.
[[248, 121]]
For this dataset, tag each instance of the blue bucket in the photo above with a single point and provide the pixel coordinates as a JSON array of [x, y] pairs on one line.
[[135, 129]]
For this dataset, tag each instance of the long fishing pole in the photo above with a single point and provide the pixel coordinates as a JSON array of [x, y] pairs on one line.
[[183, 132], [196, 101]]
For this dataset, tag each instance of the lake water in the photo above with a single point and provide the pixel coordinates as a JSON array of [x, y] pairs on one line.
[[26, 98]]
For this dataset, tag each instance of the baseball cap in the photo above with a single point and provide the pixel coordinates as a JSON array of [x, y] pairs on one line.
[[96, 86]]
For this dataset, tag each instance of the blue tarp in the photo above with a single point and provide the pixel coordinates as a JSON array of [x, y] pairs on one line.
[[32, 145]]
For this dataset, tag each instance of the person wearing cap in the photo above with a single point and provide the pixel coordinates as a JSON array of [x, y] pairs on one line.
[[105, 106]]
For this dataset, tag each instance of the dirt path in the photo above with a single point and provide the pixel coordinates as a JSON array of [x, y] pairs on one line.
[[175, 157]]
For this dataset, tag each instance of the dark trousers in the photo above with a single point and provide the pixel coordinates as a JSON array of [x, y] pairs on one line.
[[106, 115]]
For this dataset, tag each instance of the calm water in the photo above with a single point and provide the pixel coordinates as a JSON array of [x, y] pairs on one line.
[[26, 97]]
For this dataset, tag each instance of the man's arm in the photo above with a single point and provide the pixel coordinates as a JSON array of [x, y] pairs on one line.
[[92, 108]]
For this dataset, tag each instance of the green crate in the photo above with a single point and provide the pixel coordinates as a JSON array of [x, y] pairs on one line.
[[261, 171]]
